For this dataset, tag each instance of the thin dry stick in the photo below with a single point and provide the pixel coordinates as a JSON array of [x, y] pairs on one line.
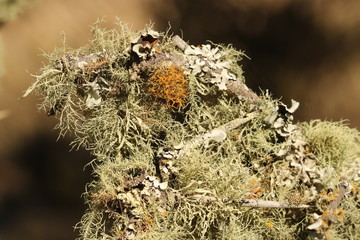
[[217, 134], [249, 202]]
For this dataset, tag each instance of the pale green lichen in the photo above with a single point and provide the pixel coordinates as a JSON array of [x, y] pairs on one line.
[[333, 143], [168, 172]]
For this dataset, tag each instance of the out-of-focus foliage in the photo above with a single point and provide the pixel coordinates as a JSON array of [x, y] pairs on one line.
[[9, 9], [1, 59]]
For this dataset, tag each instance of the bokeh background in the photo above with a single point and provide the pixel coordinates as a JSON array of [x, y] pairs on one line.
[[300, 49]]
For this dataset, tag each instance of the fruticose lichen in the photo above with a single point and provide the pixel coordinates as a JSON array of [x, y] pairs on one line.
[[184, 150]]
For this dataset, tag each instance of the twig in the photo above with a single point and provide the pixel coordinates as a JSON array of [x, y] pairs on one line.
[[218, 134], [331, 215], [343, 189], [250, 202], [242, 91]]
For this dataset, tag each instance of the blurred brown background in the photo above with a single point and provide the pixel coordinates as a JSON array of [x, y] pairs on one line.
[[303, 49]]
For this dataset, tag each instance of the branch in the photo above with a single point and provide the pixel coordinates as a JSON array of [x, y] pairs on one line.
[[218, 134], [343, 190], [331, 215], [250, 202]]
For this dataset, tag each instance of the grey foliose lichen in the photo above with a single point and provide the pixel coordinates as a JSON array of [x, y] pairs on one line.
[[185, 150], [206, 63]]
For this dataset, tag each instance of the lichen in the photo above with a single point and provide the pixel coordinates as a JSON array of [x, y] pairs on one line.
[[333, 143], [169, 83], [183, 149]]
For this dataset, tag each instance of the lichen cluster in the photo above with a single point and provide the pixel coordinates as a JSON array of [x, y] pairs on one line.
[[170, 84], [184, 150]]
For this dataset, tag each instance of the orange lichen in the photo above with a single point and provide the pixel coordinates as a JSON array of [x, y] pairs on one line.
[[257, 193], [324, 224], [269, 224], [257, 190], [329, 196], [355, 187], [170, 84], [148, 220], [165, 213], [96, 65]]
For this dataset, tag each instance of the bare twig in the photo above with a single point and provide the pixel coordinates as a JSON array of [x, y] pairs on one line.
[[218, 134], [257, 203]]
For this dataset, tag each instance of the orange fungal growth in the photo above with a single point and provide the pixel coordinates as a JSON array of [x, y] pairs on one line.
[[169, 83]]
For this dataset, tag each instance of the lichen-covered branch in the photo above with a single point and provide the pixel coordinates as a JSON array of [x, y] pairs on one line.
[[250, 202], [185, 150]]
